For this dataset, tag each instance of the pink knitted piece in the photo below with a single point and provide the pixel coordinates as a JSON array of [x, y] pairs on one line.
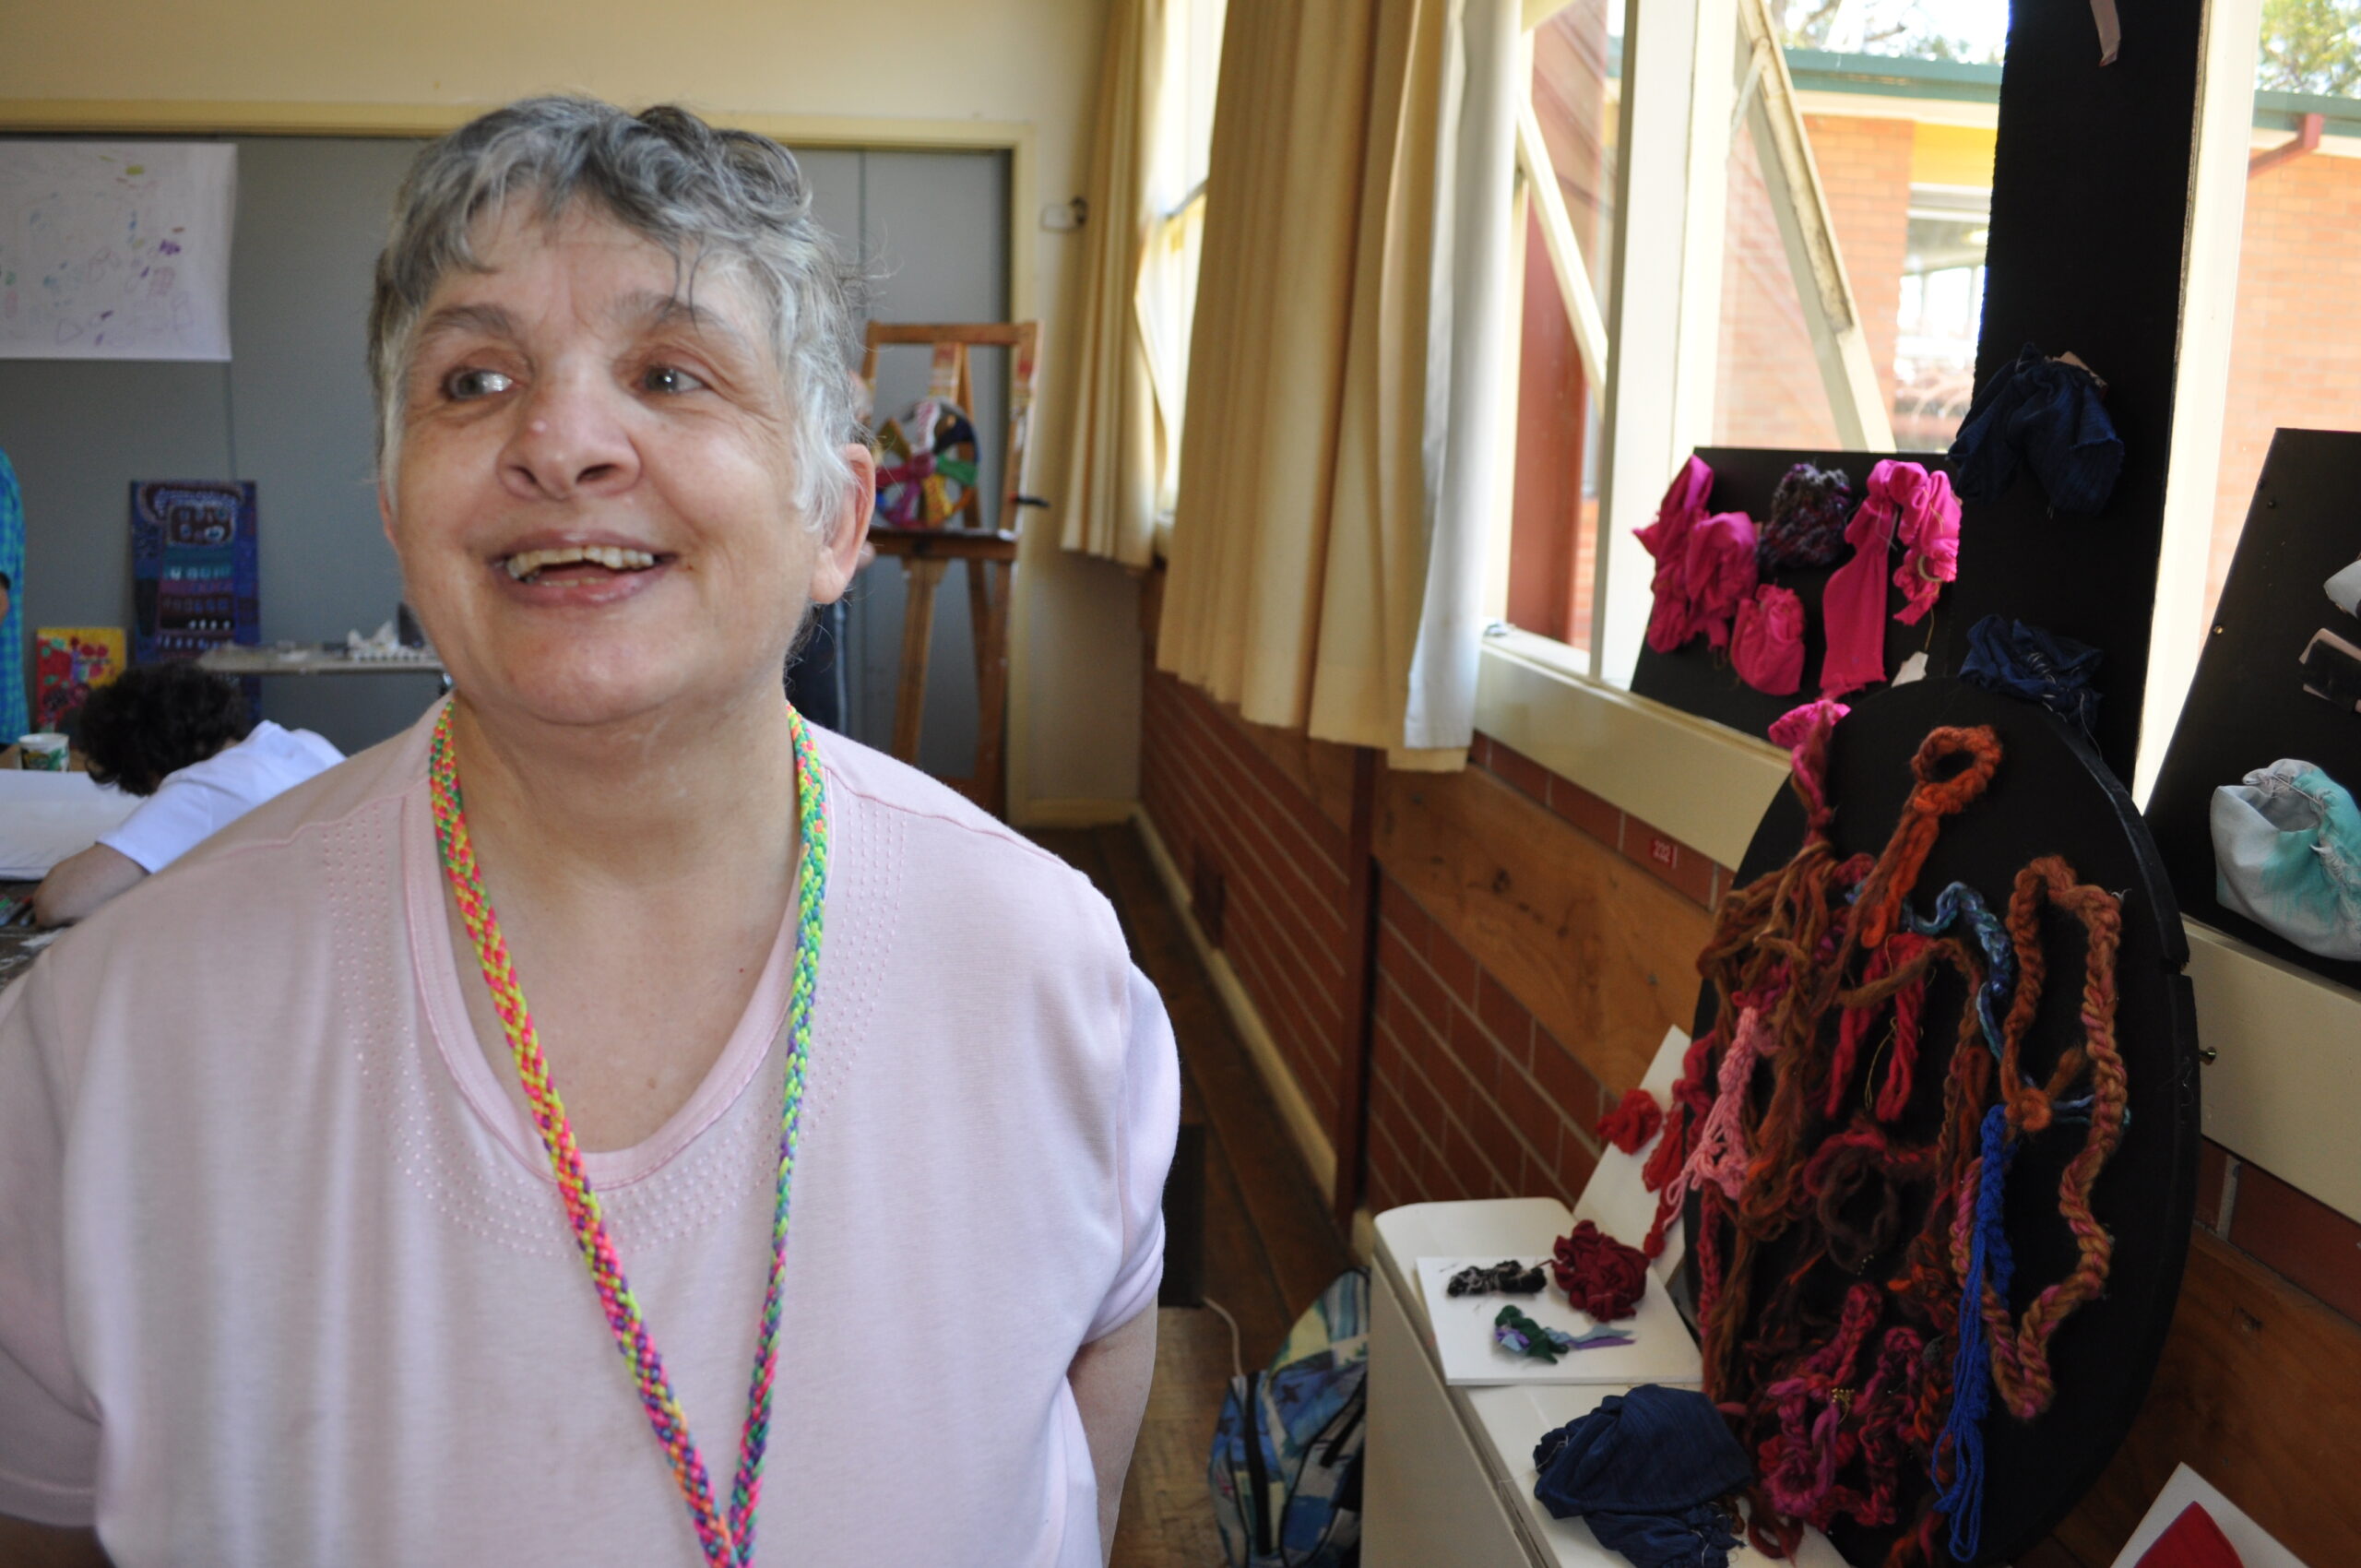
[[1718, 1157], [1853, 604], [1767, 644], [1721, 572], [1671, 623], [1929, 535]]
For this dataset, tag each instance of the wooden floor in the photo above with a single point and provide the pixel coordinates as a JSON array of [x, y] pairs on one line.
[[1270, 1245]]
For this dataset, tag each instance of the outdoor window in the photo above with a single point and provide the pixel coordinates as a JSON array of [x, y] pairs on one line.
[[1181, 143], [2296, 343], [1899, 103], [1553, 543]]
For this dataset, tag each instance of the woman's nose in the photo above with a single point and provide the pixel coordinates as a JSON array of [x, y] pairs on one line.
[[570, 440]]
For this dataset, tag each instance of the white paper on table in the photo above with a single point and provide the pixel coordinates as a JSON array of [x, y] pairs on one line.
[[46, 816], [2254, 1547], [1660, 1351], [115, 249]]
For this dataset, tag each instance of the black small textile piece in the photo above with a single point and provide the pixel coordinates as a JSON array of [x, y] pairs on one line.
[[2050, 415], [1808, 516], [2024, 661], [1508, 1277]]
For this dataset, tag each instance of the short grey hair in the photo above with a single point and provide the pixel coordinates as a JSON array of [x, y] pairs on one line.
[[702, 194]]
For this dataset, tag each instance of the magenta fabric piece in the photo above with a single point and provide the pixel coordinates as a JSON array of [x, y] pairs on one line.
[[1853, 604], [1929, 535], [1767, 646], [1672, 621], [1721, 572], [1804, 733]]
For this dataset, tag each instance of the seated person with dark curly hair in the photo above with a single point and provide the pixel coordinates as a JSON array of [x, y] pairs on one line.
[[179, 736]]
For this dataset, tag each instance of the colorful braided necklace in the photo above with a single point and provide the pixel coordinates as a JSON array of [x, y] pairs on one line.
[[727, 1543]]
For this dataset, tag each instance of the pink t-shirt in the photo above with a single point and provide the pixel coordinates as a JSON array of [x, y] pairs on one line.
[[284, 1277]]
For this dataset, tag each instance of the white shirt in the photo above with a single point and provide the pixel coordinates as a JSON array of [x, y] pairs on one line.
[[284, 1277], [196, 801]]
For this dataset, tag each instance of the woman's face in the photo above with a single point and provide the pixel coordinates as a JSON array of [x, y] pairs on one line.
[[592, 497]]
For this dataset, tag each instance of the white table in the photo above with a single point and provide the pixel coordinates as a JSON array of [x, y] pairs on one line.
[[1448, 1472]]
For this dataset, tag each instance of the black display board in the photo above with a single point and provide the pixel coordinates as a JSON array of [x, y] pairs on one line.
[[2247, 706], [1697, 678], [2090, 210], [2050, 795]]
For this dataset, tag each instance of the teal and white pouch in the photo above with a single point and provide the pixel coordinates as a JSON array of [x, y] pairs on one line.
[[2287, 855]]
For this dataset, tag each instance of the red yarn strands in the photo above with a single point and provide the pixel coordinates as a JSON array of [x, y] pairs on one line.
[[1831, 1244], [1634, 1120], [1600, 1275], [2020, 1348]]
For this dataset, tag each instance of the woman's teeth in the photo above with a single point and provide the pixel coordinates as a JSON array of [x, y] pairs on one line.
[[525, 564]]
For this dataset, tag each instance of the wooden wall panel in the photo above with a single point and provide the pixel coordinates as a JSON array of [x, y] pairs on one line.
[[1601, 953], [2260, 1391]]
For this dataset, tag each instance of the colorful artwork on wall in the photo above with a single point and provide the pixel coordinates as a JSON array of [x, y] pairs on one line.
[[195, 581], [69, 664], [116, 250]]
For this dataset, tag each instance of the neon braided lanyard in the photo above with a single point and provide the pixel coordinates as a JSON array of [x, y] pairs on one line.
[[727, 1543]]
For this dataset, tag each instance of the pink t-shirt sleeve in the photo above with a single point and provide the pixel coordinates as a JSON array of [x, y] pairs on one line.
[[1150, 1123], [49, 1438]]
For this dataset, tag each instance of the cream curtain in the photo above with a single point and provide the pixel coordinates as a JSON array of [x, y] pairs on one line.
[[1110, 490], [1348, 370], [1147, 204]]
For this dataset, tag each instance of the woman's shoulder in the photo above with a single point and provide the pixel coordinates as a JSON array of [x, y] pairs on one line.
[[882, 783], [959, 853], [325, 795]]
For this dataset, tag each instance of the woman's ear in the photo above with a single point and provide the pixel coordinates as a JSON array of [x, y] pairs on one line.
[[844, 545]]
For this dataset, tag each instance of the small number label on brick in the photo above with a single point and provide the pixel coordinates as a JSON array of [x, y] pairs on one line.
[[1664, 851]]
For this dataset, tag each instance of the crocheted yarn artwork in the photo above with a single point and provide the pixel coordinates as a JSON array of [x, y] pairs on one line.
[[1845, 1147], [1807, 523]]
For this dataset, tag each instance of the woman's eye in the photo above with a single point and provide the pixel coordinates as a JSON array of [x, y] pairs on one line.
[[668, 378], [465, 386]]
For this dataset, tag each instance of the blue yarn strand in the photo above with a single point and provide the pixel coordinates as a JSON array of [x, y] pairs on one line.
[[1958, 902], [1988, 1256]]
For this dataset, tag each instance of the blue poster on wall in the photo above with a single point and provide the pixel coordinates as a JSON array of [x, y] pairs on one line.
[[193, 578]]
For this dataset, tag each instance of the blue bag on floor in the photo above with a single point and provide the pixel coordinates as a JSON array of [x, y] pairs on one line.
[[1286, 1471]]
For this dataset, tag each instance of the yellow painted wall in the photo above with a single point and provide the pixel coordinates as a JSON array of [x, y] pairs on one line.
[[1952, 155], [1029, 61]]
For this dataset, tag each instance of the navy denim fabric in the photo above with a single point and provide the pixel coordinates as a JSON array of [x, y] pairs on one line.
[[1645, 1470], [2048, 414], [2026, 662]]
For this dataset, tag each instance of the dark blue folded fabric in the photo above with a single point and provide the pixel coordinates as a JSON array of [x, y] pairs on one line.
[[2026, 662], [2048, 414], [1645, 1469]]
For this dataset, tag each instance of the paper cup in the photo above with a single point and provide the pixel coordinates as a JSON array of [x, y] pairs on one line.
[[43, 753]]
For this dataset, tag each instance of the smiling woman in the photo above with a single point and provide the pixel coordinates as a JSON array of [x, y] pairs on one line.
[[610, 961]]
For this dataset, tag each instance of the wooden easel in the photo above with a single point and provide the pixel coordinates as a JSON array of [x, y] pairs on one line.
[[990, 553]]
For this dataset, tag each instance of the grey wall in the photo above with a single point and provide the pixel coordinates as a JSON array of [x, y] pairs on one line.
[[290, 411], [934, 232]]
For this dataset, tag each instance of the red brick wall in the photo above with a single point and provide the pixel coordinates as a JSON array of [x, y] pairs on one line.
[[2295, 355], [1470, 1096], [1221, 804], [1768, 391]]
